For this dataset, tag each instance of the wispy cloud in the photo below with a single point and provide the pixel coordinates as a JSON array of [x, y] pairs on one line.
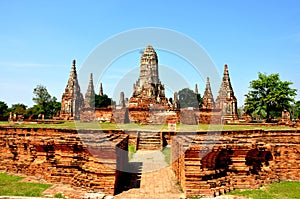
[[33, 65]]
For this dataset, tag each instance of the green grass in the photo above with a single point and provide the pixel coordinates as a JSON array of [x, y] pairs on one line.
[[282, 190], [59, 195], [131, 151], [167, 153], [10, 186], [133, 126]]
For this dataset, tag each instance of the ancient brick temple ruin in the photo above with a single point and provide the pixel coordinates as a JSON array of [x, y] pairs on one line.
[[206, 163], [210, 163], [148, 103], [72, 99], [226, 101], [93, 160]]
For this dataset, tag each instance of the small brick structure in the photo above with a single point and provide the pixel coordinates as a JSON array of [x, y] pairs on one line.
[[90, 159], [209, 164]]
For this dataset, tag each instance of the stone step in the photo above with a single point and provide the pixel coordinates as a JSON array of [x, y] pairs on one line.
[[149, 140], [149, 144], [149, 135], [149, 148]]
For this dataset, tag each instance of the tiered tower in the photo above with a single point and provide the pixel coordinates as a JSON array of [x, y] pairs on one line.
[[226, 101], [89, 100], [72, 98], [208, 99], [148, 88]]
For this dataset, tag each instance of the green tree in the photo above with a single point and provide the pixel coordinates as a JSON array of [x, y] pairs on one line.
[[45, 104], [102, 101], [295, 110], [3, 110], [18, 109], [33, 112], [187, 98], [268, 96]]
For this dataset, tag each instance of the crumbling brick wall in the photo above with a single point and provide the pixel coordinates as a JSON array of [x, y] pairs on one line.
[[208, 164], [85, 158]]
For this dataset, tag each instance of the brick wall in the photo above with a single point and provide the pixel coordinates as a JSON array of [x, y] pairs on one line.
[[207, 165], [85, 158]]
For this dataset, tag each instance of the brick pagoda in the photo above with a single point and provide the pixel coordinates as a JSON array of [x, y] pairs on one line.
[[72, 99], [226, 101]]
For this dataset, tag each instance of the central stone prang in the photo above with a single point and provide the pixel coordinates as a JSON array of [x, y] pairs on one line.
[[148, 89]]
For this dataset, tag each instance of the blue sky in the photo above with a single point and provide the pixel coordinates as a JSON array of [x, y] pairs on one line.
[[39, 39]]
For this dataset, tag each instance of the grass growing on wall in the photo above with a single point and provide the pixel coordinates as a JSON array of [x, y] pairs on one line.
[[10, 186]]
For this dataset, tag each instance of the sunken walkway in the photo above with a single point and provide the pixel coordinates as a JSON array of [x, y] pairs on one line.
[[152, 178]]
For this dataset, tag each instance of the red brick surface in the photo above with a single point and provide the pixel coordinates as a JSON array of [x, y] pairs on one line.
[[87, 160], [210, 165]]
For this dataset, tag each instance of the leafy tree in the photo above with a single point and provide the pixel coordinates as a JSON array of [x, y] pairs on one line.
[[269, 96], [3, 110], [33, 112], [187, 98], [18, 109], [45, 104], [53, 107], [295, 110], [102, 101], [42, 97]]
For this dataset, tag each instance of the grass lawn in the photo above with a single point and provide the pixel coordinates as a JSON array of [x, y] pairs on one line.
[[10, 186], [167, 153], [133, 126], [131, 151], [282, 190]]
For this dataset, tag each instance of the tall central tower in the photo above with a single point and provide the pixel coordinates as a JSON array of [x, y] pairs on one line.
[[148, 101], [149, 66], [148, 84]]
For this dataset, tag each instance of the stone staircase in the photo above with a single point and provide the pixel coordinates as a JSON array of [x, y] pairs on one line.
[[149, 141]]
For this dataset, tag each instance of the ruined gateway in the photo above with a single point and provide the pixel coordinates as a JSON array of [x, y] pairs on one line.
[[148, 103]]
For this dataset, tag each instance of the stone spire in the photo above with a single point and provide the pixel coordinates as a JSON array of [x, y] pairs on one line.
[[72, 98], [196, 89], [101, 90], [226, 101], [149, 66], [208, 99], [148, 84], [175, 102], [89, 101], [122, 99]]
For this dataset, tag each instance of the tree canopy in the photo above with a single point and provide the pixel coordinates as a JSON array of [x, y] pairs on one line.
[[188, 98], [45, 104], [295, 110], [18, 109], [269, 96], [103, 101], [3, 110]]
